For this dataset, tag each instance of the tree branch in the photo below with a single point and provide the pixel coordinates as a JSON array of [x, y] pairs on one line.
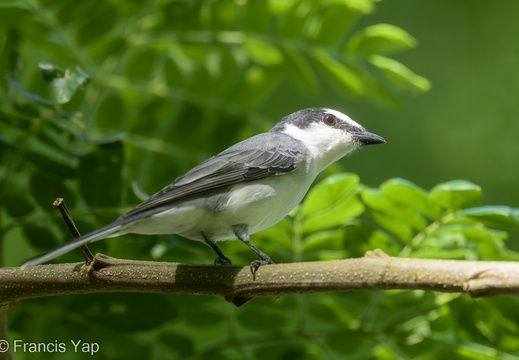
[[375, 271]]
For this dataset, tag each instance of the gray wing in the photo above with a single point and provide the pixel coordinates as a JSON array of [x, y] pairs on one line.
[[258, 157]]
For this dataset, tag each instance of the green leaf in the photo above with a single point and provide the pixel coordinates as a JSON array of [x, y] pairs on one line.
[[496, 216], [399, 75], [331, 203], [17, 205], [456, 194], [29, 108], [334, 21], [50, 72], [329, 191], [256, 17], [381, 39], [493, 249], [248, 318], [399, 220], [399, 229], [338, 214], [326, 255], [476, 231], [294, 18], [362, 6], [300, 70], [111, 114], [339, 72], [258, 83], [40, 237], [100, 175], [404, 192], [213, 62], [282, 232], [63, 84], [450, 254], [222, 15], [101, 22], [378, 90], [381, 240], [263, 53], [46, 188], [328, 239], [47, 164], [124, 313], [6, 148], [374, 200], [445, 240], [134, 67], [179, 346]]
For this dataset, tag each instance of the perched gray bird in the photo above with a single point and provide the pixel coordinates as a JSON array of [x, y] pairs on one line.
[[247, 188]]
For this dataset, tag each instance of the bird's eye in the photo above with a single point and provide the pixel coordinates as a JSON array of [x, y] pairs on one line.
[[329, 120]]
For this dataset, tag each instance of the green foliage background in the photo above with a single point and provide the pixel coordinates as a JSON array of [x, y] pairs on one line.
[[105, 102]]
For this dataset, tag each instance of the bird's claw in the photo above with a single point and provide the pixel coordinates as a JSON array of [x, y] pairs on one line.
[[254, 266], [222, 261]]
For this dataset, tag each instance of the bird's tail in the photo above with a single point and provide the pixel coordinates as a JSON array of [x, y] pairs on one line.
[[99, 234]]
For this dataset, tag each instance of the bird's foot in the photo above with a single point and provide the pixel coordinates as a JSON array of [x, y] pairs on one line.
[[222, 260], [254, 266]]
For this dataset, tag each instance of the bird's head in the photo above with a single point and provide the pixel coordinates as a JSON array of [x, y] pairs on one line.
[[328, 134]]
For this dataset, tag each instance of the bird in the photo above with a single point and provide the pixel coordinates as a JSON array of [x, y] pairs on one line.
[[244, 189]]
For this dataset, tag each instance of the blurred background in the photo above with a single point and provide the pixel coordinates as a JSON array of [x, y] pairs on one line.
[[104, 103], [465, 126]]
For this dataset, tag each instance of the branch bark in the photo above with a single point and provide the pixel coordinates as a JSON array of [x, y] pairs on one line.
[[375, 271]]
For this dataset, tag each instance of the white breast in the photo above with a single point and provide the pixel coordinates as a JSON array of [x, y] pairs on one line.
[[259, 204], [262, 204]]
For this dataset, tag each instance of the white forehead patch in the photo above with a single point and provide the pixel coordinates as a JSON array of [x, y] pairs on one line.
[[341, 116]]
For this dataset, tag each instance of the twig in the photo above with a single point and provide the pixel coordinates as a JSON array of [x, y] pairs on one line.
[[60, 203]]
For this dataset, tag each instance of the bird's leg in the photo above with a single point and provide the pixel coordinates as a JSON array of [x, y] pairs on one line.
[[242, 232], [222, 259]]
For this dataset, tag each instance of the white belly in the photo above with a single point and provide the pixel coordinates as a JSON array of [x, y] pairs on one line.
[[259, 204]]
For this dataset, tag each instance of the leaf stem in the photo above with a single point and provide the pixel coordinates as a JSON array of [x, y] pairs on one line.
[[422, 235]]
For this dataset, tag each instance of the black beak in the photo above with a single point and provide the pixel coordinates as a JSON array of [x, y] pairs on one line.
[[367, 138]]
